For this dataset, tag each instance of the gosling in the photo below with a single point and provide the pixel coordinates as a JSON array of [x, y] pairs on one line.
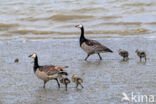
[[141, 54], [124, 54], [77, 80], [16, 60], [64, 80]]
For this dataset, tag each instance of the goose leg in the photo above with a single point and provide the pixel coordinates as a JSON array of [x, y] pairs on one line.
[[57, 82], [44, 84], [87, 57], [140, 59], [77, 85], [100, 56], [81, 86], [145, 59], [127, 58], [66, 86], [123, 58]]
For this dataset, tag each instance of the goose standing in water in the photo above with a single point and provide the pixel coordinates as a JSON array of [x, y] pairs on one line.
[[64, 80], [141, 54], [46, 72], [77, 80], [124, 54], [91, 46]]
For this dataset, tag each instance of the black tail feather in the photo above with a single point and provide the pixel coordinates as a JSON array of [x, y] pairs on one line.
[[63, 73], [109, 50]]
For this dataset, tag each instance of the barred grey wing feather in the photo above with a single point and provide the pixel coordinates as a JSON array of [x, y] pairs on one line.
[[92, 42], [49, 69], [100, 48]]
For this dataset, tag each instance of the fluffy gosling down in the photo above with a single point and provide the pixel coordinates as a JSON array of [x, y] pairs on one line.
[[64, 80], [141, 54], [91, 46], [124, 54], [16, 60], [77, 80], [46, 72]]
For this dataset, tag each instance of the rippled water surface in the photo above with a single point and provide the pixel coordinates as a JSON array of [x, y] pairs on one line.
[[47, 27], [57, 18]]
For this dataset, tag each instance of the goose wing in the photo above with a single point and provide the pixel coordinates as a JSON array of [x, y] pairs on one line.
[[97, 46], [142, 54], [48, 69], [79, 80], [123, 52], [51, 69], [60, 68]]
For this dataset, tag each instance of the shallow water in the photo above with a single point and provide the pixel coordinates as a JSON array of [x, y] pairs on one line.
[[104, 81], [47, 28]]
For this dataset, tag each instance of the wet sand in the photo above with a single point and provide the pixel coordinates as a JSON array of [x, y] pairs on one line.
[[104, 81]]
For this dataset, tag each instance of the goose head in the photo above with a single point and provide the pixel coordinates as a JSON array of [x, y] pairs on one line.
[[34, 55], [79, 26]]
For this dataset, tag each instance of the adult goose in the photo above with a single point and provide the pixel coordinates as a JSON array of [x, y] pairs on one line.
[[46, 72], [91, 46]]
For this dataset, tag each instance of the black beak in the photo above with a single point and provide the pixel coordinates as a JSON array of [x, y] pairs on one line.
[[29, 55], [76, 26]]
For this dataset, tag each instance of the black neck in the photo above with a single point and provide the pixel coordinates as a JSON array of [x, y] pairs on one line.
[[82, 38], [36, 64]]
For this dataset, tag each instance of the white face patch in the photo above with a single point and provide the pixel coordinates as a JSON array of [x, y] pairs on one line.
[[33, 55], [79, 26]]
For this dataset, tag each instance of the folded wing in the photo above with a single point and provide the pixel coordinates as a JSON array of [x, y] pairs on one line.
[[98, 47], [51, 69]]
